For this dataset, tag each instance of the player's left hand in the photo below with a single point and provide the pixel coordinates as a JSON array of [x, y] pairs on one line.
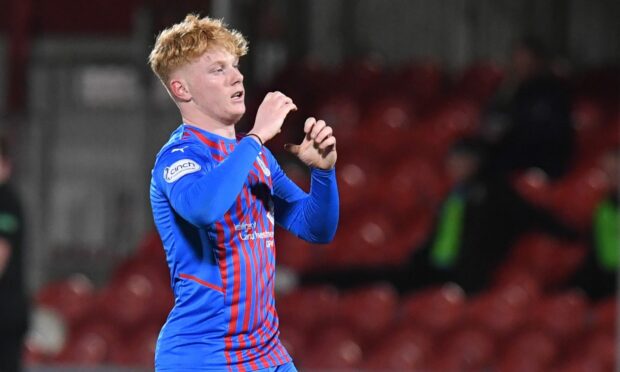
[[318, 149]]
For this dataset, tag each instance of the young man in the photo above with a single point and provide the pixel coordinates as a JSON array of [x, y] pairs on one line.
[[216, 197], [13, 300]]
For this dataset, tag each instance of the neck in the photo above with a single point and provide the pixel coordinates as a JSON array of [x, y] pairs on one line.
[[226, 130]]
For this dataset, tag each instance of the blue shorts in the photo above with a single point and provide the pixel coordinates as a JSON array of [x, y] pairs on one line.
[[287, 367]]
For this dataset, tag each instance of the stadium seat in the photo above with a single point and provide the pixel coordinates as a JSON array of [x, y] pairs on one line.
[[333, 348], [413, 185], [402, 349], [343, 114], [72, 297], [137, 292], [467, 348], [499, 312], [357, 174], [364, 239], [563, 315], [528, 350], [308, 308], [435, 310], [575, 198], [137, 348], [295, 253], [604, 314], [369, 311], [90, 344], [479, 81], [293, 340], [549, 260]]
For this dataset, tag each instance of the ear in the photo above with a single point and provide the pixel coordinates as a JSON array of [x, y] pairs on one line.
[[179, 90]]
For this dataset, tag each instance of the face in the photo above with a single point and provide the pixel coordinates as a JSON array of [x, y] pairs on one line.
[[215, 86]]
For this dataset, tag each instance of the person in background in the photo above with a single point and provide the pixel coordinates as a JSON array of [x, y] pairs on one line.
[[528, 123], [477, 224], [13, 299], [597, 275]]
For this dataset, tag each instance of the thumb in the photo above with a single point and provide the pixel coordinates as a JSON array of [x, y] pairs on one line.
[[293, 149]]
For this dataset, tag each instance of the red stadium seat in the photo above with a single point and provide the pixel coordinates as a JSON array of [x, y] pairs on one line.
[[436, 309], [402, 349], [137, 347], [413, 185], [369, 311], [293, 340], [333, 348], [605, 313], [528, 350], [364, 240], [343, 114], [533, 185], [308, 308], [562, 315], [90, 344], [72, 298], [582, 364], [468, 349], [137, 292], [575, 198], [357, 174], [479, 81], [423, 82], [547, 259], [499, 312], [295, 253]]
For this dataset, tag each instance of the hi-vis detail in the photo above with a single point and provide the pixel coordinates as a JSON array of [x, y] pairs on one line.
[[179, 169]]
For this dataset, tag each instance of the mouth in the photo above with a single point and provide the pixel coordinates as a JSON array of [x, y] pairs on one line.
[[237, 95]]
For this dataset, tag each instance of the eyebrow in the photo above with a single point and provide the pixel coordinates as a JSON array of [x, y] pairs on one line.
[[222, 62]]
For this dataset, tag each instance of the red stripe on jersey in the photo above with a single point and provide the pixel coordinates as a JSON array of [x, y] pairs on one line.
[[202, 282], [222, 262], [202, 138], [251, 293], [236, 278]]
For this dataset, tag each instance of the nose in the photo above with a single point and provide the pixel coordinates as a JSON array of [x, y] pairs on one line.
[[237, 76]]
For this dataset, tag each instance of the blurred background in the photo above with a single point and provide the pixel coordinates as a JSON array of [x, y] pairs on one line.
[[478, 169]]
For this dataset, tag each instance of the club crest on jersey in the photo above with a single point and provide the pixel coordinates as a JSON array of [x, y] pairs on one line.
[[263, 166], [179, 169]]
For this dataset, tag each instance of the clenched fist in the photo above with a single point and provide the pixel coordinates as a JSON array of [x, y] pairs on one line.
[[271, 114]]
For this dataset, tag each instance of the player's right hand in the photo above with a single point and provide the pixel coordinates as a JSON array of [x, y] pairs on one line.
[[271, 114]]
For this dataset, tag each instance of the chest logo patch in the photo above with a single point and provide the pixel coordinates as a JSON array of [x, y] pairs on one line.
[[263, 167], [179, 169]]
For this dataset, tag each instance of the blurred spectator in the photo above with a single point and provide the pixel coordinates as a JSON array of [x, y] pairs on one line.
[[478, 223], [529, 121], [13, 304], [597, 276]]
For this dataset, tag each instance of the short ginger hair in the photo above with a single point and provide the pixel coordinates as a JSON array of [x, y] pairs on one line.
[[186, 41]]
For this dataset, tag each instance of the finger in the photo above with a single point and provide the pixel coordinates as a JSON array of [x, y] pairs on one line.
[[268, 96], [286, 109], [324, 133], [293, 149], [308, 124], [320, 124], [329, 142]]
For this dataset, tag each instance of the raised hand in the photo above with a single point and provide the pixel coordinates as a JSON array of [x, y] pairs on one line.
[[318, 149], [271, 114]]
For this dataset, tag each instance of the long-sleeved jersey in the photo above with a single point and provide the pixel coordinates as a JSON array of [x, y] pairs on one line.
[[215, 202]]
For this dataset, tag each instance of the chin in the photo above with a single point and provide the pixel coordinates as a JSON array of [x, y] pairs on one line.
[[236, 116]]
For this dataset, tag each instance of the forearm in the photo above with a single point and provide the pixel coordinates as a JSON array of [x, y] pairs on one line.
[[207, 200], [315, 217]]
